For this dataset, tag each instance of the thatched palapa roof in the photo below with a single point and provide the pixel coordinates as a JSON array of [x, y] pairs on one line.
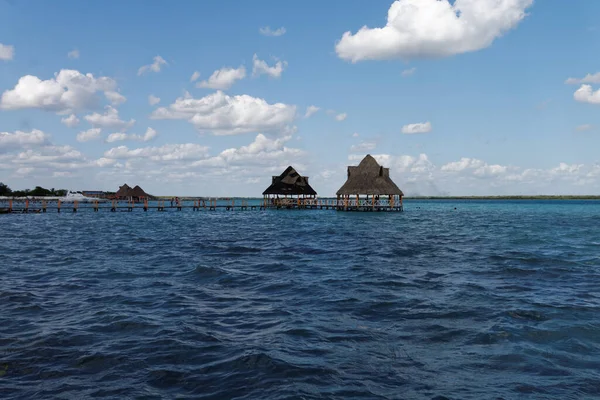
[[369, 178], [126, 191], [123, 190], [290, 182], [137, 192]]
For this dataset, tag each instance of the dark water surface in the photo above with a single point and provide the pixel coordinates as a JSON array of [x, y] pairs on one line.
[[491, 300]]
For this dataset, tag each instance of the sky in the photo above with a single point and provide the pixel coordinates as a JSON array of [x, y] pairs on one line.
[[212, 98]]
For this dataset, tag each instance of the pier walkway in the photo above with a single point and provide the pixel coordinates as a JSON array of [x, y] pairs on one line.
[[42, 206]]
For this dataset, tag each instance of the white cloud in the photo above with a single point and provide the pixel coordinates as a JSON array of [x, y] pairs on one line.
[[73, 54], [21, 139], [477, 167], [49, 158], [409, 72], [115, 98], [71, 121], [68, 90], [355, 134], [564, 168], [89, 135], [261, 67], [230, 115], [153, 100], [341, 117], [585, 94], [433, 28], [310, 110], [148, 136], [223, 78], [7, 52], [195, 76], [267, 31], [154, 67], [262, 150], [110, 119], [168, 152], [423, 127], [463, 164], [589, 78], [363, 147], [584, 127]]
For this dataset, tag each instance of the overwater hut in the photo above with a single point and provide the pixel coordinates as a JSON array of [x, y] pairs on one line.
[[138, 194], [127, 193], [287, 185], [369, 185], [123, 191]]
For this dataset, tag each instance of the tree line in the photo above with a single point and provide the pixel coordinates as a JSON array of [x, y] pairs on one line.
[[38, 191]]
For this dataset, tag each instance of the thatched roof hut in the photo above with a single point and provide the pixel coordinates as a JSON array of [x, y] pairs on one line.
[[123, 190], [137, 192], [369, 178], [127, 192], [290, 182]]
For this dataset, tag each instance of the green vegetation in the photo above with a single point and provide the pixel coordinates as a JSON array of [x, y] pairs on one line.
[[38, 191]]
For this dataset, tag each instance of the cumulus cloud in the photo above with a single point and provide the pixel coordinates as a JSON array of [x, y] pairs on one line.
[[48, 159], [585, 94], [71, 121], [168, 152], [423, 127], [267, 31], [310, 110], [7, 52], [589, 78], [478, 167], [433, 28], [73, 54], [110, 119], [408, 72], [153, 100], [195, 76], [20, 139], [584, 127], [115, 98], [89, 135], [260, 67], [120, 136], [230, 115], [363, 147], [223, 78], [154, 67], [68, 90], [341, 117], [262, 150]]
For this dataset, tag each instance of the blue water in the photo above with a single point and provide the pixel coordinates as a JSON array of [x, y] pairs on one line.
[[489, 300]]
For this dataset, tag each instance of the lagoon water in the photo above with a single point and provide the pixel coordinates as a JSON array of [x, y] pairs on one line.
[[493, 299]]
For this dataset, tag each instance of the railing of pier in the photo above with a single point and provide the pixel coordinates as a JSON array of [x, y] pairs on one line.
[[43, 206]]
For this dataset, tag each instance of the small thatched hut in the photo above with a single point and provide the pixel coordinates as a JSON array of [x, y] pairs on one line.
[[290, 183], [135, 194], [122, 192], [370, 179]]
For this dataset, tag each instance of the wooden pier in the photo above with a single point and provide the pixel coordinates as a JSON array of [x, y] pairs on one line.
[[42, 206]]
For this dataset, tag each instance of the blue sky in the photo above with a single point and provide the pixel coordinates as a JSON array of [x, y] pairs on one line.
[[484, 94]]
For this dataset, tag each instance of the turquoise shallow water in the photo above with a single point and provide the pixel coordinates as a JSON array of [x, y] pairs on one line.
[[493, 299]]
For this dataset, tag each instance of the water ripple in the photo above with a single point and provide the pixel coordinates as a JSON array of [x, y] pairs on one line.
[[488, 300]]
